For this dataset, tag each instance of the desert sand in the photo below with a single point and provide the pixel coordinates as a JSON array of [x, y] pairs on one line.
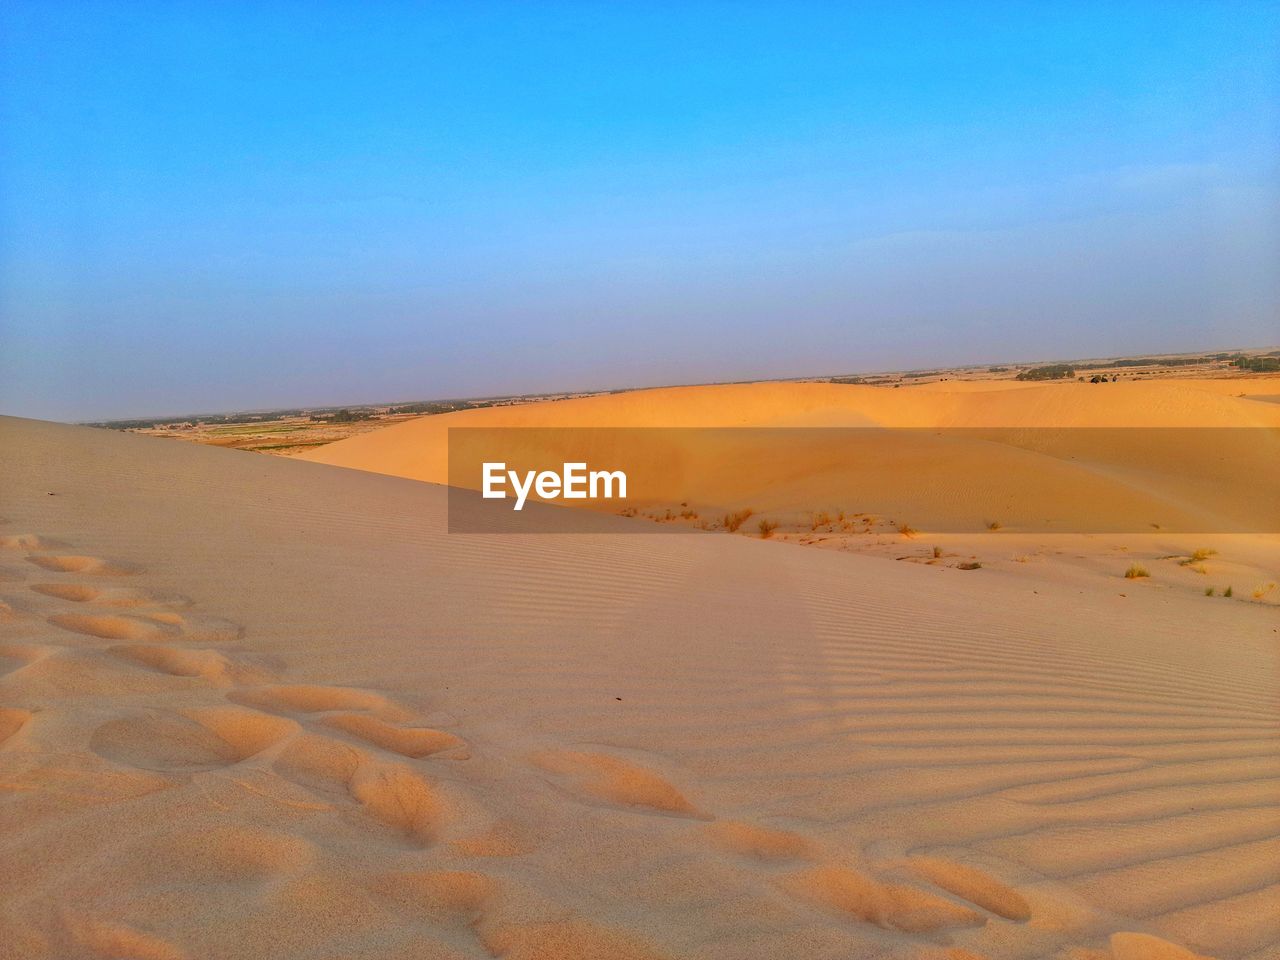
[[1219, 477], [253, 707]]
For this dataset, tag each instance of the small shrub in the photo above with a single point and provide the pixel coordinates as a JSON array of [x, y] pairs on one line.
[[1208, 591], [1229, 592], [1262, 590], [937, 552], [766, 528], [907, 530], [1200, 555], [732, 521], [688, 515], [969, 565], [1136, 571], [819, 520], [993, 525]]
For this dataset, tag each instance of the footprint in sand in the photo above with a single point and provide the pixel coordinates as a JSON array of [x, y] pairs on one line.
[[109, 940], [115, 626], [901, 906], [168, 741], [106, 596], [976, 886], [12, 720], [14, 657], [618, 782], [362, 714], [893, 906], [208, 665], [71, 563], [414, 742], [1143, 946], [759, 843], [391, 793], [308, 698], [30, 541], [149, 627]]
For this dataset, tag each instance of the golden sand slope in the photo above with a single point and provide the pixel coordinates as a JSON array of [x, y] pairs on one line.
[[1091, 480], [254, 707]]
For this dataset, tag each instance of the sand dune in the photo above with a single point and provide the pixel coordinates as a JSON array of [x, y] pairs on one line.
[[254, 707], [1037, 457]]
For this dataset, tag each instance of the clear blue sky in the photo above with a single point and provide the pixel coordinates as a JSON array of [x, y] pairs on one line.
[[221, 205]]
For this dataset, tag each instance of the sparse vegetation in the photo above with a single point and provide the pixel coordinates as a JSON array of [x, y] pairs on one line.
[[1229, 592], [1136, 571], [1262, 590], [732, 521], [1054, 371], [819, 519], [993, 525], [969, 565], [1208, 591], [766, 528], [907, 530], [1197, 557], [937, 552]]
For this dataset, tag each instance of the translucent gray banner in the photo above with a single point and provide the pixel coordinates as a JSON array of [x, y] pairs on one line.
[[1041, 480]]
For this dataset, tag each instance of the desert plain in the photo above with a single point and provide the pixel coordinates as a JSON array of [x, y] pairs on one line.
[[255, 706]]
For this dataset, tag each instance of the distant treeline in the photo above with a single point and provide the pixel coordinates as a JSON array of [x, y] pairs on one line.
[[1268, 364], [343, 416], [439, 406], [1153, 362], [1062, 371], [1054, 371]]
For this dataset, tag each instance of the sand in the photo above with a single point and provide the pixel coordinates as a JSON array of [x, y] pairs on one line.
[[1220, 477], [257, 707]]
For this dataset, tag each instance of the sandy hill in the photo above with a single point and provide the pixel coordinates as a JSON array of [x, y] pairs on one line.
[[1177, 456], [255, 707]]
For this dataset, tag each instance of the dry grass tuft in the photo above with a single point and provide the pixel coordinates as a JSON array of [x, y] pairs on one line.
[[1199, 556], [969, 565], [1136, 571], [907, 530], [732, 521]]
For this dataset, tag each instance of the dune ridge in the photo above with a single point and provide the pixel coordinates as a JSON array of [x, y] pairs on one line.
[[331, 729], [1069, 455]]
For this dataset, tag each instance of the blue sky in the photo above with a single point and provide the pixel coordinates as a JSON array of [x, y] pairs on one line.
[[210, 206]]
